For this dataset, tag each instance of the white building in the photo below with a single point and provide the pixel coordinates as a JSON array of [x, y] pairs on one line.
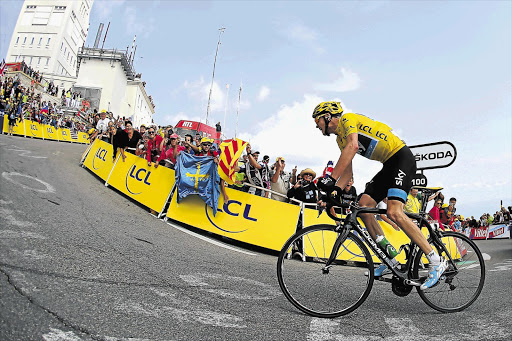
[[47, 37], [110, 75]]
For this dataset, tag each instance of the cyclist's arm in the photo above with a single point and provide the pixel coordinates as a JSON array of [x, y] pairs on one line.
[[342, 172]]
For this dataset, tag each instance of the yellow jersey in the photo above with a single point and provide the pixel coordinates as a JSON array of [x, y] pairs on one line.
[[376, 140]]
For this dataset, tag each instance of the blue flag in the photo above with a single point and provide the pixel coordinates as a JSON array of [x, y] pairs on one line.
[[198, 175]]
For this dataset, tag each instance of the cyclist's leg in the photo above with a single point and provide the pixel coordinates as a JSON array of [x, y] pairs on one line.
[[369, 219], [396, 213]]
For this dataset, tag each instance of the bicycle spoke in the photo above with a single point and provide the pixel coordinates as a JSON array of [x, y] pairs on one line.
[[462, 282], [323, 291]]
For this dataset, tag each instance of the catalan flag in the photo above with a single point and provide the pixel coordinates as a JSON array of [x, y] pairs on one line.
[[230, 153], [2, 67]]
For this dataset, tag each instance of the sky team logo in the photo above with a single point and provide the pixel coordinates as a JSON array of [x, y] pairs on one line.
[[99, 158], [137, 179], [234, 213]]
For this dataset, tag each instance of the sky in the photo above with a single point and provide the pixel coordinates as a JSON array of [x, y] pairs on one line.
[[432, 70]]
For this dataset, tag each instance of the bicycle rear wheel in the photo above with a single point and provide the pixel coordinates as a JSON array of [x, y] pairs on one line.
[[318, 291], [462, 281]]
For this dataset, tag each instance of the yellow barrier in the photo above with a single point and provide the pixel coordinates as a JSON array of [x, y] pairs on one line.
[[19, 127], [148, 185], [50, 133], [64, 134], [35, 129], [245, 217], [99, 159], [82, 137]]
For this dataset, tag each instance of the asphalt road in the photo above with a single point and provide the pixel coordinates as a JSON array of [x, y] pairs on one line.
[[79, 261]]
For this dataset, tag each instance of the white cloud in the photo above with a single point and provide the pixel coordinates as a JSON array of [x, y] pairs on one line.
[[304, 35], [137, 24], [173, 119], [263, 94], [198, 91], [105, 8], [348, 81], [291, 133]]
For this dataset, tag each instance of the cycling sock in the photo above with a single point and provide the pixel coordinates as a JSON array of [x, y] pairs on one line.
[[433, 258]]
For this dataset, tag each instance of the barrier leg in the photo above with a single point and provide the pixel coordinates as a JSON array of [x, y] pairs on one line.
[[169, 197], [112, 170]]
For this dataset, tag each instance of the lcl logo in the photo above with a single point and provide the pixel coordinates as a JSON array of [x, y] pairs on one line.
[[100, 154], [33, 128], [233, 208], [140, 175]]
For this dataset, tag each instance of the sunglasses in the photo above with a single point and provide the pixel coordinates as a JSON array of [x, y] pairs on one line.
[[438, 203], [307, 174], [151, 132], [206, 144]]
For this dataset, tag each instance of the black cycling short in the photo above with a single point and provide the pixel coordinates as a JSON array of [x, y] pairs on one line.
[[395, 178]]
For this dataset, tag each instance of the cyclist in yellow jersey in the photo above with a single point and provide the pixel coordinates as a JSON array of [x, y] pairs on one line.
[[358, 134]]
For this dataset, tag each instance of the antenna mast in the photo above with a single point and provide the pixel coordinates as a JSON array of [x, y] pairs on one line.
[[238, 107], [221, 30]]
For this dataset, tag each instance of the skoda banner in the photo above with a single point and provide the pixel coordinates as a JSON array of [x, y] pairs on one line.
[[434, 155]]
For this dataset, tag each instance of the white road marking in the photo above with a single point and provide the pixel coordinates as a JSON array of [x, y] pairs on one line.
[[59, 335], [214, 242], [25, 153], [248, 289], [32, 254], [20, 234], [9, 176], [503, 266], [403, 329], [8, 215], [185, 314]]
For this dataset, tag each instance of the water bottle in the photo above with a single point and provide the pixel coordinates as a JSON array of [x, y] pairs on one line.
[[328, 169], [386, 246]]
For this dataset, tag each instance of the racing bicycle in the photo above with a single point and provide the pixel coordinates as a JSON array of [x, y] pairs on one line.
[[335, 272]]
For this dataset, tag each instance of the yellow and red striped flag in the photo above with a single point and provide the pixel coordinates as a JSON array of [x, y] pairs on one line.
[[231, 150]]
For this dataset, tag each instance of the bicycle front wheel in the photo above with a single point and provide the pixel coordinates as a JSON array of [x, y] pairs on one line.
[[323, 291], [463, 280]]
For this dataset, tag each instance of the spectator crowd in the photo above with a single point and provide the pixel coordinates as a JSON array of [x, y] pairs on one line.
[[160, 146]]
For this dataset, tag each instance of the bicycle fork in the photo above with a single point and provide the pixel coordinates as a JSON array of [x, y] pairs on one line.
[[345, 230]]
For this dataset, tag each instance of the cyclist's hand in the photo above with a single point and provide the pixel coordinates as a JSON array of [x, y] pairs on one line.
[[326, 183]]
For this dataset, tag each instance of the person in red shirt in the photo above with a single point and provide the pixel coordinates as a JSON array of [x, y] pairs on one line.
[[153, 151], [434, 213], [171, 152], [205, 147]]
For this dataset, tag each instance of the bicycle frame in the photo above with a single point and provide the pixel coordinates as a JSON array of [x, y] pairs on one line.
[[351, 223]]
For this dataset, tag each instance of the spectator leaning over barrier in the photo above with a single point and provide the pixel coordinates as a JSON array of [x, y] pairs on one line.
[[253, 171], [119, 140], [265, 174], [152, 152], [102, 126], [133, 138], [305, 189], [449, 211], [280, 181], [170, 151], [434, 212], [383, 205]]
